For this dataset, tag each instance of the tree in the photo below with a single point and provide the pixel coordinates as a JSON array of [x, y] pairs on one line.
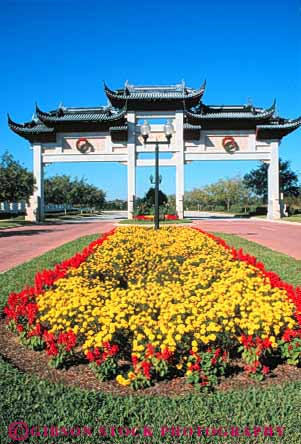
[[93, 197], [17, 183], [257, 180], [149, 198], [58, 190], [198, 198], [65, 191], [116, 204], [226, 192], [145, 204]]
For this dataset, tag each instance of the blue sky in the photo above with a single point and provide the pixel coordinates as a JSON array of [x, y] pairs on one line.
[[60, 51]]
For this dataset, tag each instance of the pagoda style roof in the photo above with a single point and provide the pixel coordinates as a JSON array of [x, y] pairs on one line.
[[197, 115], [192, 132], [277, 128], [155, 97], [73, 119], [239, 117], [45, 126], [229, 117], [34, 131]]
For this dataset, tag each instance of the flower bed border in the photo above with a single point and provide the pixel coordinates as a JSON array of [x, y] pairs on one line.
[[150, 217], [23, 305], [293, 293]]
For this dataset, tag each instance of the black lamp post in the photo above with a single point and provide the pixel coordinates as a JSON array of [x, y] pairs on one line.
[[145, 132]]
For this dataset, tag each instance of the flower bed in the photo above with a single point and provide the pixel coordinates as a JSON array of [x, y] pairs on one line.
[[143, 305], [151, 217]]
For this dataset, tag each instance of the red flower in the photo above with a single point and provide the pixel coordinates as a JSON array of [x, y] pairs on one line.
[[37, 331], [265, 370], [149, 351], [146, 366], [134, 360], [48, 337], [52, 350], [266, 343], [90, 356], [217, 352], [171, 217], [247, 341], [166, 354], [195, 367], [288, 335], [110, 350], [67, 339]]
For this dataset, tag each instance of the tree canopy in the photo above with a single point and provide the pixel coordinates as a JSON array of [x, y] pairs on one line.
[[257, 180], [146, 204], [67, 191], [225, 193], [17, 183], [149, 197]]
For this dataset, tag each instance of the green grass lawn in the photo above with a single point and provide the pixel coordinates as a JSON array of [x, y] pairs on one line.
[[16, 278], [24, 397], [13, 222], [19, 221], [287, 267], [294, 218]]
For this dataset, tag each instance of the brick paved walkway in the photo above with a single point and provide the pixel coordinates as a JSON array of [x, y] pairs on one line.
[[282, 237], [18, 245]]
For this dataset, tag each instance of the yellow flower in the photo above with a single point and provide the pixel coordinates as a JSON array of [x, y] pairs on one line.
[[173, 287], [122, 381]]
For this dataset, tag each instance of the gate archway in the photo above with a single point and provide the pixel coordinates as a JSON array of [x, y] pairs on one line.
[[112, 134]]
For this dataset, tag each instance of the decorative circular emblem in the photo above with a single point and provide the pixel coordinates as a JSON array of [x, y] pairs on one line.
[[84, 146], [229, 144]]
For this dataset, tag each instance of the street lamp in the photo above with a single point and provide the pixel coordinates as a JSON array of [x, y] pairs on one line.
[[145, 130]]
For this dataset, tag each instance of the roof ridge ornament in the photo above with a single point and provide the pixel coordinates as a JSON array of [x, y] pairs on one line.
[[34, 117], [61, 106], [12, 122], [274, 105]]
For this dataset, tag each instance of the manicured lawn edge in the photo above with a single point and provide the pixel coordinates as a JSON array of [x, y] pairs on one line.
[[26, 398], [22, 275], [288, 268]]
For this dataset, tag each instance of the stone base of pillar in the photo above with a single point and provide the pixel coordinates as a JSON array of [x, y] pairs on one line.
[[274, 210], [131, 208], [283, 208], [180, 209], [33, 210]]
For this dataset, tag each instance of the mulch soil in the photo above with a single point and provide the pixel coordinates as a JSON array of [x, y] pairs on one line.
[[81, 376]]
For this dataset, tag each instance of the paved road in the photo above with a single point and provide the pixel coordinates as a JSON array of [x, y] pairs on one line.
[[21, 244], [279, 236], [200, 215], [18, 245]]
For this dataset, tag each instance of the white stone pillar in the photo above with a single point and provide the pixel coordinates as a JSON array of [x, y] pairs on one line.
[[35, 210], [131, 118], [179, 142], [273, 183]]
